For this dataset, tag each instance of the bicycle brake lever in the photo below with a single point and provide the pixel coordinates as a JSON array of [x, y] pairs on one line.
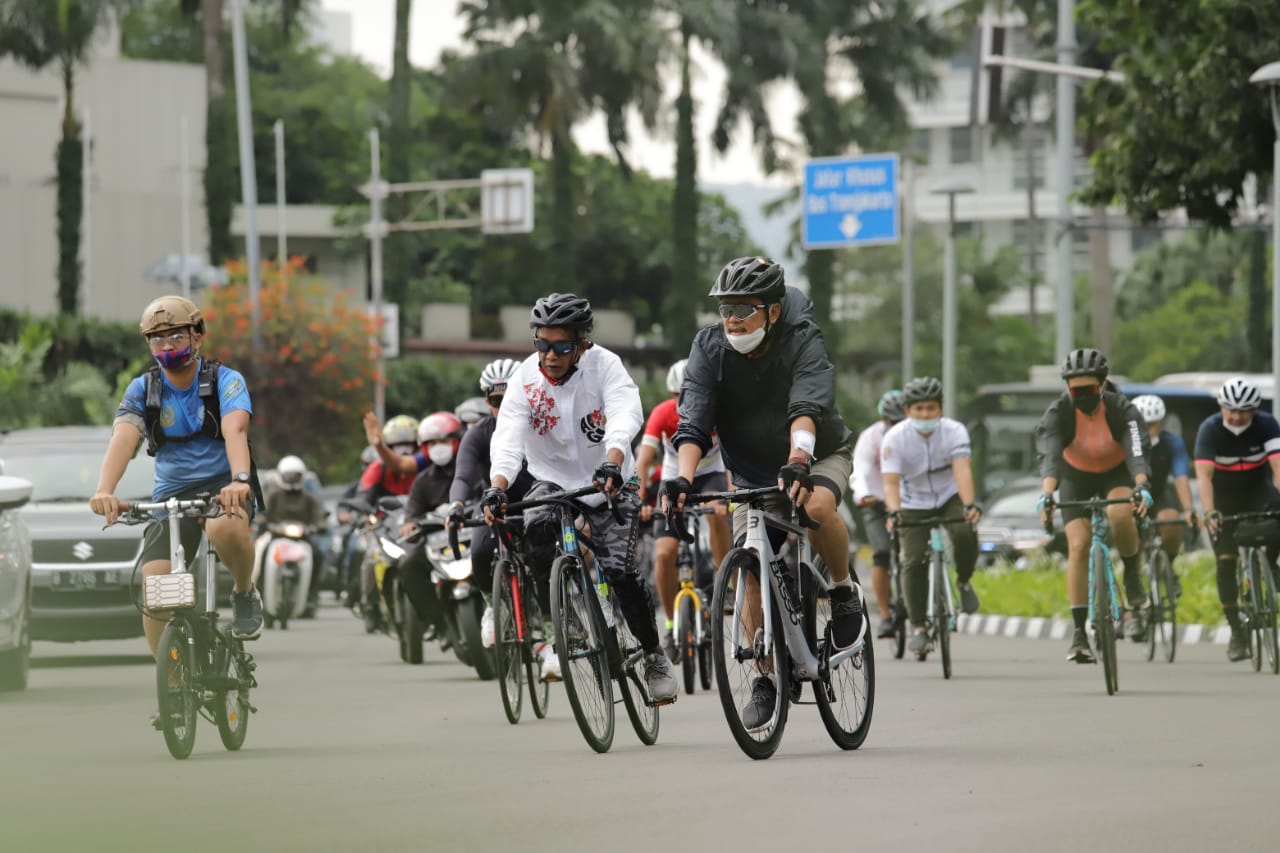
[[805, 520], [676, 521]]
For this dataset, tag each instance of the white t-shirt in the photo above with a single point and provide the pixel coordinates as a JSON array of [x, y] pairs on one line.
[[564, 431], [923, 462], [867, 481]]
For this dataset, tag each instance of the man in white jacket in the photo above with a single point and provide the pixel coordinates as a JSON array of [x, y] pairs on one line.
[[570, 413], [867, 484]]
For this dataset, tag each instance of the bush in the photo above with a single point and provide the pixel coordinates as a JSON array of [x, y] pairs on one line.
[[418, 386], [31, 396]]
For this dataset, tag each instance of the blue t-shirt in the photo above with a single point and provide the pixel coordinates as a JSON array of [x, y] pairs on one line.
[[1168, 458], [1240, 462], [182, 465]]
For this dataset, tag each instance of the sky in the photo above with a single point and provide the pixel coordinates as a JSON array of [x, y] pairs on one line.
[[436, 25]]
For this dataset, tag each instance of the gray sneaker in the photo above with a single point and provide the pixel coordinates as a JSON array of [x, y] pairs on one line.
[[669, 647], [968, 598], [1135, 625], [919, 643], [1080, 651], [657, 674], [1238, 647], [759, 709], [246, 615]]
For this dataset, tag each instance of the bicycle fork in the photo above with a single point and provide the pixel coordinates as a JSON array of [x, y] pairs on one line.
[[938, 566]]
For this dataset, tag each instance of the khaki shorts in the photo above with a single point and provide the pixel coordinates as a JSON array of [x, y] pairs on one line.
[[831, 472]]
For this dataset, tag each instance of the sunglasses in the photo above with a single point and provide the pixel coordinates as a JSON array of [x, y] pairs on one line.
[[738, 310], [1084, 390], [495, 400], [159, 339], [559, 347]]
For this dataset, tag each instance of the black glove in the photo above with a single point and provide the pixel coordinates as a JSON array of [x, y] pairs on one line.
[[493, 499], [607, 476], [795, 472], [674, 490]]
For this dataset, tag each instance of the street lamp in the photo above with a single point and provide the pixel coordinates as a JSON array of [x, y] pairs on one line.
[[949, 321], [1269, 76]]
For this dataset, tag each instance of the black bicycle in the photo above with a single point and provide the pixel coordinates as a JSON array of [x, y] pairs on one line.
[[1161, 616], [1254, 533], [201, 670]]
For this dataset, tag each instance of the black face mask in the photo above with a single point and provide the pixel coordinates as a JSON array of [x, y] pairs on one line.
[[1087, 403]]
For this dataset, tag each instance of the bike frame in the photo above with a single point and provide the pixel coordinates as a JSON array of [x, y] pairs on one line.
[[938, 574], [1098, 525], [688, 584], [176, 509]]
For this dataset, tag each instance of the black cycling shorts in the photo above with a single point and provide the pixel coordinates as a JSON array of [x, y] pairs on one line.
[[712, 481], [155, 541], [1083, 485]]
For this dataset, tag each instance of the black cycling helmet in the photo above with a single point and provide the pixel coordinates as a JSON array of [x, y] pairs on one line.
[[890, 406], [562, 311], [1085, 362], [751, 276], [920, 389]]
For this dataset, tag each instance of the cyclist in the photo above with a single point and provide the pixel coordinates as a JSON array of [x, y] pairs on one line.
[[472, 410], [867, 486], [1169, 459], [927, 472], [572, 419], [659, 430], [399, 459], [1091, 442], [762, 380], [173, 407], [291, 502], [1237, 458]]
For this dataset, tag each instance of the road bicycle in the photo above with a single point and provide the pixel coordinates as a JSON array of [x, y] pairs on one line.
[[940, 612], [1254, 532], [691, 621], [784, 635], [1104, 597], [1160, 620], [201, 670]]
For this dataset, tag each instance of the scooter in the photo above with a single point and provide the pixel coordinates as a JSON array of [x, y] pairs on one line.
[[461, 600], [283, 564]]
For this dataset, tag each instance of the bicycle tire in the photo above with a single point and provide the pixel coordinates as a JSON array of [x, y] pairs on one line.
[[1265, 585], [535, 625], [1249, 608], [622, 646], [686, 642], [899, 628], [1162, 627], [176, 690], [470, 612], [579, 628], [508, 656], [744, 563], [1104, 618], [941, 618], [706, 666], [847, 730], [231, 707]]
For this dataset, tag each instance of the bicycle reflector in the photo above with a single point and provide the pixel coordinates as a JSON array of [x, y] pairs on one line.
[[170, 591]]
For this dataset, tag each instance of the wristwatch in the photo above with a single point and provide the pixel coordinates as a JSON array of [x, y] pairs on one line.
[[242, 477]]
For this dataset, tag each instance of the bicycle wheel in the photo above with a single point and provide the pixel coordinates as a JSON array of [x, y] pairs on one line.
[[581, 647], [846, 697], [231, 703], [1162, 613], [1245, 573], [899, 628], [705, 664], [625, 655], [535, 633], [941, 612], [1104, 618], [737, 642], [507, 649], [1264, 586], [687, 640], [176, 689]]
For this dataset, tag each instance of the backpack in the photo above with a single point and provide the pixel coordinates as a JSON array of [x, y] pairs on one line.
[[207, 390]]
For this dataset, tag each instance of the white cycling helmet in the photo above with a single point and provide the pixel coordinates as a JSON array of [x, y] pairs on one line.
[[472, 409], [1240, 394], [1151, 407], [291, 470], [496, 374], [675, 376]]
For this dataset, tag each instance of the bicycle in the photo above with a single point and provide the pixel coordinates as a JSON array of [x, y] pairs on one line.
[[940, 612], [1161, 617], [200, 668], [898, 606], [1104, 597], [518, 621], [1256, 582], [593, 641], [692, 614], [792, 643]]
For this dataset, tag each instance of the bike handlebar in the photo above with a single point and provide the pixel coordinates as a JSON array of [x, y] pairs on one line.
[[138, 512], [1090, 504], [530, 503], [675, 518], [933, 521]]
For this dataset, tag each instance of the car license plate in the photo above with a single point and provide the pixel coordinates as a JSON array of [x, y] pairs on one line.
[[85, 579]]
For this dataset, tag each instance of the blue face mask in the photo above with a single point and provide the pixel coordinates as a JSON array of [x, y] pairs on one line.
[[925, 426], [174, 359]]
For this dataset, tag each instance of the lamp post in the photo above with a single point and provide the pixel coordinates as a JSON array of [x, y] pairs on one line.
[[1269, 76], [949, 319]]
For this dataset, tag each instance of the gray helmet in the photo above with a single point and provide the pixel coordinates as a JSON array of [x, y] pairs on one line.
[[562, 311], [920, 389], [752, 276], [1085, 362], [890, 405]]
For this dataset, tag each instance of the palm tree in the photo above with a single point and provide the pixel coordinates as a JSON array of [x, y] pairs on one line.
[[39, 33]]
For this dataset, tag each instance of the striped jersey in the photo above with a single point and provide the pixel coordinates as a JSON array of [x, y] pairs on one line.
[[1239, 461]]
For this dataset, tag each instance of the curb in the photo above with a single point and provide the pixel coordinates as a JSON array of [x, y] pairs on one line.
[[1041, 628]]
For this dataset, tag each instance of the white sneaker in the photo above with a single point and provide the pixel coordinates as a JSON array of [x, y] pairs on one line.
[[486, 629], [550, 662]]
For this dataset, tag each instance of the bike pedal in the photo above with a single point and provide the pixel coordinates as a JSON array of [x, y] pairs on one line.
[[658, 703], [253, 709]]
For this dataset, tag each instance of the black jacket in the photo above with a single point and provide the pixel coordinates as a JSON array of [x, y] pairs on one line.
[[471, 474], [1057, 429], [751, 402], [430, 489]]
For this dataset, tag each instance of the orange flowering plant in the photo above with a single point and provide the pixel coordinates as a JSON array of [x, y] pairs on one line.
[[313, 375]]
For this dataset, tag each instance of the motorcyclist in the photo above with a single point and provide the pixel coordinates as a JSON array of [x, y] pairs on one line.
[[291, 502], [398, 462]]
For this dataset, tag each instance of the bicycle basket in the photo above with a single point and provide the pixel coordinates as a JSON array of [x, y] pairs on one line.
[[1259, 532], [173, 591]]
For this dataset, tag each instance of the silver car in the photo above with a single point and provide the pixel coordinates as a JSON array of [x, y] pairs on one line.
[[15, 585]]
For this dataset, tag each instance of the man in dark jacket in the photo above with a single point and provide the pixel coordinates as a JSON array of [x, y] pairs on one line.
[[762, 380], [1093, 442]]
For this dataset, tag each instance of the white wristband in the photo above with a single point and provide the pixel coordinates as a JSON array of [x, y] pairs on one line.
[[802, 439]]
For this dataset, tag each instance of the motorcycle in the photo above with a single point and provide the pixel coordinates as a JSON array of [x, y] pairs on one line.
[[462, 602], [284, 561]]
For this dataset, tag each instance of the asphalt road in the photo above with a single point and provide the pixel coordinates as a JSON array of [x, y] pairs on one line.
[[353, 750]]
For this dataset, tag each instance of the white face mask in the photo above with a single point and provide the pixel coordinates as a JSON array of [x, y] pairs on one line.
[[440, 454], [748, 342], [1236, 430]]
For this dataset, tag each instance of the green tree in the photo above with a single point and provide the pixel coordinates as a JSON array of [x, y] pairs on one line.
[[1198, 328], [37, 34]]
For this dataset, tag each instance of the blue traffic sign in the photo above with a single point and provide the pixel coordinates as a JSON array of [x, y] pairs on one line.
[[850, 201]]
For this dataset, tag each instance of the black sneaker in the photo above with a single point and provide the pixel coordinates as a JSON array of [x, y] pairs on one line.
[[848, 619], [1080, 651], [1238, 647], [246, 615], [968, 598], [759, 710]]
